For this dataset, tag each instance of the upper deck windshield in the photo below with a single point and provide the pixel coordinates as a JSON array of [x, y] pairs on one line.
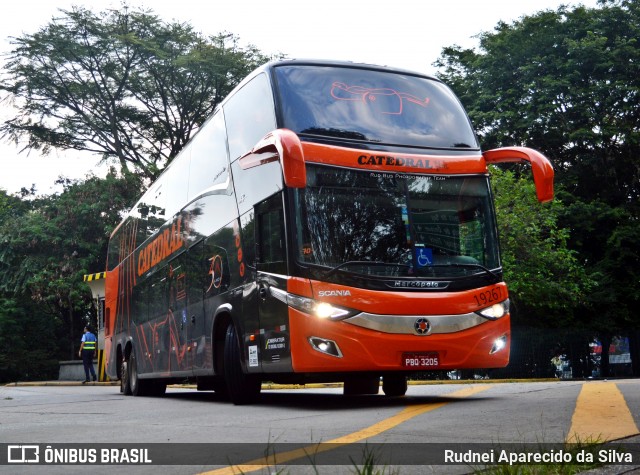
[[372, 105], [395, 225]]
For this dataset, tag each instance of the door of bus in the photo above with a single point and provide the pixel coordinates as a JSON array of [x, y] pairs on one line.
[[272, 285]]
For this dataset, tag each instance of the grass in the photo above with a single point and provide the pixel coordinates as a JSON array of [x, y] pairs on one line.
[[370, 465], [576, 457]]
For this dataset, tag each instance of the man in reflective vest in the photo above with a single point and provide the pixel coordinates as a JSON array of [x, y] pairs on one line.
[[87, 351]]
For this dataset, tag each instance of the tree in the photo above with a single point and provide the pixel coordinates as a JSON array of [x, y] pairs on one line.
[[48, 244], [28, 349], [122, 83], [566, 82], [546, 282]]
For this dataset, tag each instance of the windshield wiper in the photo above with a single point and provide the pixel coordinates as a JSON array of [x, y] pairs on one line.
[[333, 132], [335, 269], [474, 266]]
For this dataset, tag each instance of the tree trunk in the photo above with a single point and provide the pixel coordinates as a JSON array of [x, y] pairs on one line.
[[72, 350]]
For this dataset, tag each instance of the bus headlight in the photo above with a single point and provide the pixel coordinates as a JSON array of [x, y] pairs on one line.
[[323, 310], [495, 311]]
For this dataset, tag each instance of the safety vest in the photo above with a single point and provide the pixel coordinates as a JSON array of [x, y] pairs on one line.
[[89, 344]]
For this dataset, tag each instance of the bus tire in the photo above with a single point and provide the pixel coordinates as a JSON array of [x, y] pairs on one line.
[[394, 385], [125, 387], [359, 385], [137, 386], [242, 388]]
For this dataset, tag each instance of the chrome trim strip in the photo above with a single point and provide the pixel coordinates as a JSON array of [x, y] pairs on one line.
[[405, 323], [278, 294]]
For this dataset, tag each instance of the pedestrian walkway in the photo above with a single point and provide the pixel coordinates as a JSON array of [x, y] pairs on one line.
[[601, 414]]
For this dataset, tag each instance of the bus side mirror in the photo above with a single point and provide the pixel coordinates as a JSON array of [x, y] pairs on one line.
[[283, 145], [540, 165]]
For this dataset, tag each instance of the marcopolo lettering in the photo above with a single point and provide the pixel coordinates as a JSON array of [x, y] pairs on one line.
[[419, 284], [391, 161]]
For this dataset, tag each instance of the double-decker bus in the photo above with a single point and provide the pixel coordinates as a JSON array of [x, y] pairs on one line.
[[329, 222]]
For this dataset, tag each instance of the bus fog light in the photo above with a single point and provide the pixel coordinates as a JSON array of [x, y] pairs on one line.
[[499, 344], [328, 347]]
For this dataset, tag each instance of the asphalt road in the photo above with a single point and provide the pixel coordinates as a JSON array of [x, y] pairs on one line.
[[288, 424]]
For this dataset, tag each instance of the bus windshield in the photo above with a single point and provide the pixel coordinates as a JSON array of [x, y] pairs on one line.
[[360, 104], [395, 225]]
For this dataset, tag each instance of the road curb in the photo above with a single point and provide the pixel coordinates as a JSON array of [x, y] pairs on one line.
[[63, 383]]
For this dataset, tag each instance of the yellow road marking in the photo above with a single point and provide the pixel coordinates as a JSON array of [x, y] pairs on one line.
[[371, 431], [601, 414]]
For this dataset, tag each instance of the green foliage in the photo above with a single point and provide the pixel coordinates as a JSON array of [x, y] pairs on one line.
[[120, 83], [546, 282], [567, 83], [48, 244], [28, 347]]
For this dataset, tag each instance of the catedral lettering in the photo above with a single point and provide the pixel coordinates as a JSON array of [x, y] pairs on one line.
[[165, 244], [407, 162], [296, 239]]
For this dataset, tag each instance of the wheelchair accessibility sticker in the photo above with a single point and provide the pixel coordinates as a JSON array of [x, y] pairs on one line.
[[424, 256]]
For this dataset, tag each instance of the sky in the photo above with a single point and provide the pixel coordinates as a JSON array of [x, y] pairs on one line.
[[408, 34]]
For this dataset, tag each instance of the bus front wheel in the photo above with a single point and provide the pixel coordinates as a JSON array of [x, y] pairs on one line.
[[242, 388], [394, 385]]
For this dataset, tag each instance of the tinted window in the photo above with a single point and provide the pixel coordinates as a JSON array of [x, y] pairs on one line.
[[156, 293], [395, 224], [374, 106], [271, 237], [209, 164], [249, 116]]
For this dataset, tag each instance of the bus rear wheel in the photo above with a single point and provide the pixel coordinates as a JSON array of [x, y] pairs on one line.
[[137, 387], [142, 387], [125, 387], [241, 388]]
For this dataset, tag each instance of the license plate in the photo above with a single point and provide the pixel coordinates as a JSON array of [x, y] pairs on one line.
[[420, 360]]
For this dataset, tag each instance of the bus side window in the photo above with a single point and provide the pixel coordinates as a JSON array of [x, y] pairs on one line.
[[270, 247], [107, 321], [248, 233], [249, 115]]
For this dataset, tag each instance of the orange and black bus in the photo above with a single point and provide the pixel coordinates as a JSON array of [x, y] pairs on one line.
[[329, 222]]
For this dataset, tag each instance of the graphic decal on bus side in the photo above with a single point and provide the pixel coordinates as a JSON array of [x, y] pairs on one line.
[[236, 232], [163, 341], [126, 278], [276, 343], [216, 272]]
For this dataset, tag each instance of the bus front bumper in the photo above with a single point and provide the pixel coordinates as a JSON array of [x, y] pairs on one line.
[[398, 343]]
